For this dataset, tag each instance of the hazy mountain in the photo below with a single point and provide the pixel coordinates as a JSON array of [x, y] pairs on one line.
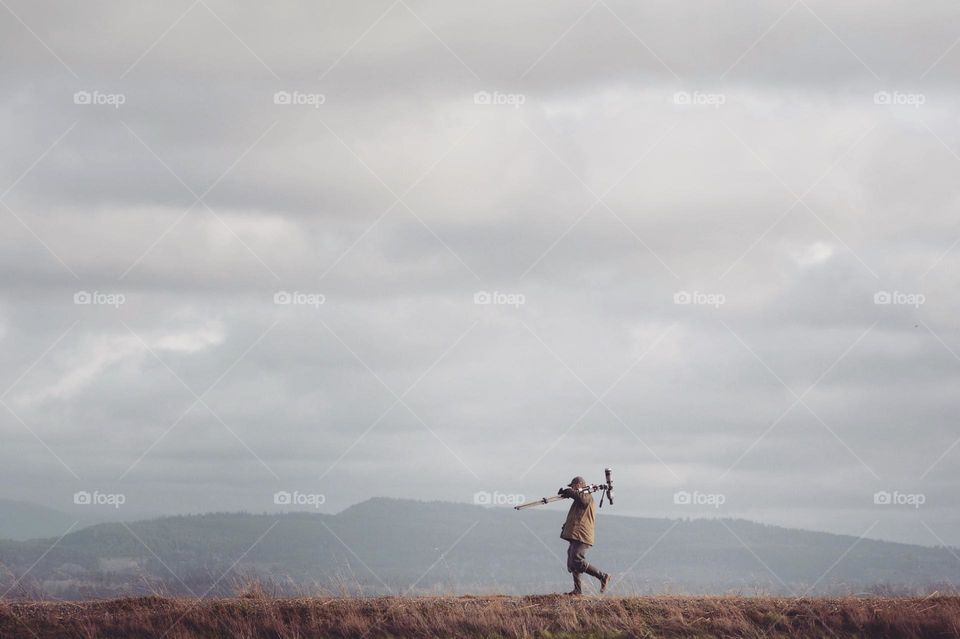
[[385, 545], [23, 520]]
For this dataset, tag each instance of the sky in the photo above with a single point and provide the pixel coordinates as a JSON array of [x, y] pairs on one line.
[[465, 251]]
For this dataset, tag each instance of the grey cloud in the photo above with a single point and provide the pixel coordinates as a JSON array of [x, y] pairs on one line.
[[694, 198]]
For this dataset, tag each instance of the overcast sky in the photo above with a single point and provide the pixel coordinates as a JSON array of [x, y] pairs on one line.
[[184, 166]]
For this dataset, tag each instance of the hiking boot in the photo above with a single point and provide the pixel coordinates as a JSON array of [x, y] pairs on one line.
[[602, 577]]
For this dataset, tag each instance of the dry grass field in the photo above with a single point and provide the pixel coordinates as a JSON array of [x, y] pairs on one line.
[[487, 616]]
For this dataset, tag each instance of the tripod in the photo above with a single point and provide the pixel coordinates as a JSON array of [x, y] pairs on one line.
[[607, 491]]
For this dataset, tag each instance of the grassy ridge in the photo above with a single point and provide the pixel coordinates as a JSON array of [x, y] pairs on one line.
[[489, 616]]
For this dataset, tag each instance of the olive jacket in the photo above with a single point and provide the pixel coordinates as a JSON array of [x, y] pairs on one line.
[[580, 518]]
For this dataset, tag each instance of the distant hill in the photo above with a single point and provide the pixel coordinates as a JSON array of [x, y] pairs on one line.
[[23, 520], [404, 546]]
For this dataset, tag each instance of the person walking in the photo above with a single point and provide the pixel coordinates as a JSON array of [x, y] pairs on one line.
[[579, 531]]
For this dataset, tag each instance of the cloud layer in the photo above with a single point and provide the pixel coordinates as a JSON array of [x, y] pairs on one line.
[[717, 242]]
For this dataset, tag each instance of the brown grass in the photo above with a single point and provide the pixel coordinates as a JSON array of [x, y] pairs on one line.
[[485, 617]]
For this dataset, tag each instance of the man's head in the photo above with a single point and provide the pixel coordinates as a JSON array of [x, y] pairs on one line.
[[577, 482]]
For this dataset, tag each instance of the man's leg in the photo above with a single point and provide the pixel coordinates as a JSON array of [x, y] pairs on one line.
[[599, 574], [583, 566], [573, 567], [577, 587]]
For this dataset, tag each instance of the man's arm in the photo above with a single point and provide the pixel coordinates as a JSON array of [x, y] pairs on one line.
[[583, 498]]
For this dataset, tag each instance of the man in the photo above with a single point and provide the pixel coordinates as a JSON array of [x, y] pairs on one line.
[[579, 531]]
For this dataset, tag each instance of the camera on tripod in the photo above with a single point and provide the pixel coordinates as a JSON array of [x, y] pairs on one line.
[[607, 489]]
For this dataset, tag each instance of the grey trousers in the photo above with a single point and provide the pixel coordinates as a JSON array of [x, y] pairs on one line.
[[577, 560], [577, 564]]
